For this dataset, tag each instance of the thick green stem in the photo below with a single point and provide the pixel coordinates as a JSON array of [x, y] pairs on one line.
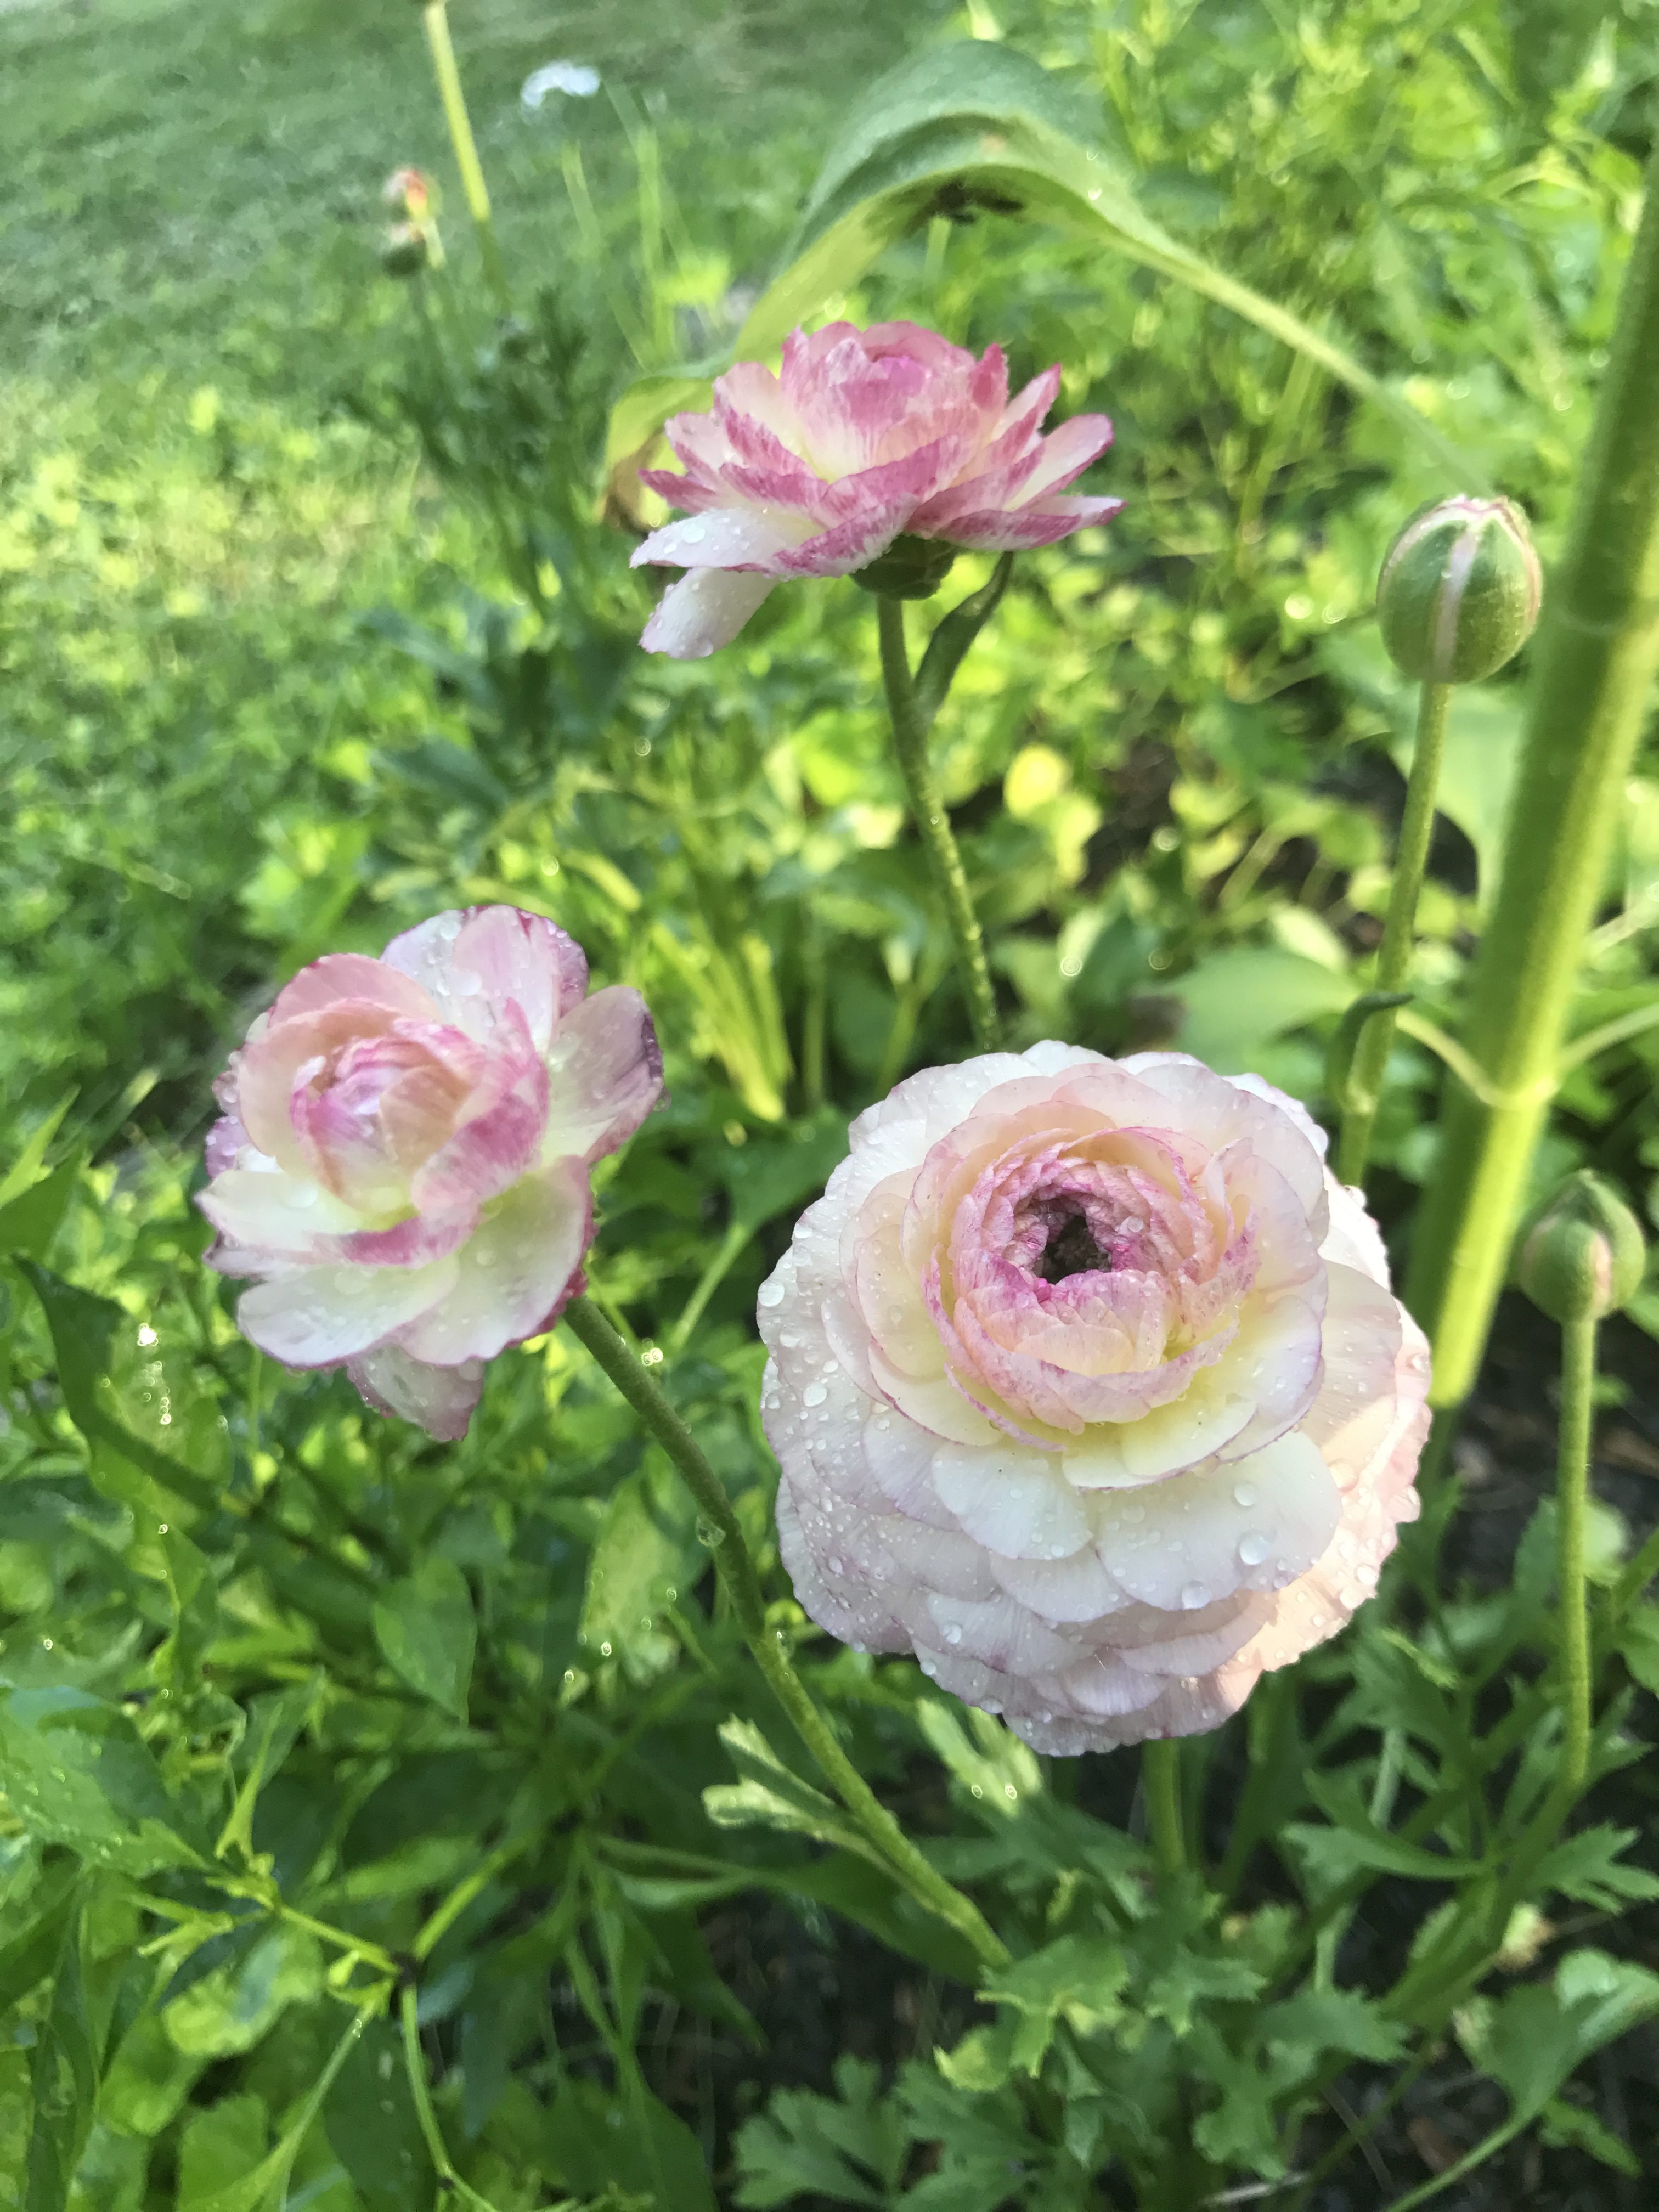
[[1598, 647], [742, 1584], [933, 824], [1394, 959], [436, 16], [1160, 1779], [1572, 1504]]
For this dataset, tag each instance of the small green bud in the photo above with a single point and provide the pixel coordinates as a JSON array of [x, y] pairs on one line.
[[910, 569], [405, 250], [1459, 593], [1584, 1256]]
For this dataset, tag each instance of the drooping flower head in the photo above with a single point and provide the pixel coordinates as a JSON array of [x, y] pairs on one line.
[[862, 436], [402, 1164], [1088, 1387]]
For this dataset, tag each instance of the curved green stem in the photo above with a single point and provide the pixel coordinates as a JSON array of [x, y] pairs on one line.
[[1597, 651], [1393, 959], [436, 16], [1572, 1506], [415, 2067], [909, 723], [1160, 1779], [742, 1584]]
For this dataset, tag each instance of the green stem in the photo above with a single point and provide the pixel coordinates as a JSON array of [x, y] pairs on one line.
[[1598, 648], [1160, 1779], [1393, 959], [436, 16], [742, 1585], [1571, 1502], [415, 2067], [933, 824]]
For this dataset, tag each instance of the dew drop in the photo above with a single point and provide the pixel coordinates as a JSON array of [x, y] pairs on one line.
[[710, 1534], [953, 1633], [1244, 1493], [1193, 1595], [1254, 1547], [813, 1395], [769, 1294]]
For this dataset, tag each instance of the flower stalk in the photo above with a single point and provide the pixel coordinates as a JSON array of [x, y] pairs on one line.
[[436, 16], [1371, 1059], [1571, 1508], [910, 723], [1160, 1781], [1598, 651], [742, 1584]]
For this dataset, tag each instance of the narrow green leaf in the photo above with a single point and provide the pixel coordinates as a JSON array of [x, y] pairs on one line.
[[63, 2079], [770, 1795]]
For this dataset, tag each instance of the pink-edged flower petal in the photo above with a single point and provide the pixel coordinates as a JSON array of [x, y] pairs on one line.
[[514, 1275], [438, 1399], [606, 1072], [479, 963]]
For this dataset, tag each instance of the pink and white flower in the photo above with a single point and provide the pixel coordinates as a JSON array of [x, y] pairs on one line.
[[402, 1164], [861, 436], [1088, 1387]]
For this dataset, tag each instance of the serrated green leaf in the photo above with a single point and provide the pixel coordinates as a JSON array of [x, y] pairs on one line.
[[850, 2147], [76, 1771], [996, 1769], [426, 1634], [770, 1795], [1590, 1868], [1531, 2040]]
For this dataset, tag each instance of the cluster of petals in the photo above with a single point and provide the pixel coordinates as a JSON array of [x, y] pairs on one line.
[[861, 437], [1088, 1387], [403, 1162]]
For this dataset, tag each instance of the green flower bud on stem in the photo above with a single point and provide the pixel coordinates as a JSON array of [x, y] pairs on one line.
[[910, 569], [1459, 593], [1585, 1254]]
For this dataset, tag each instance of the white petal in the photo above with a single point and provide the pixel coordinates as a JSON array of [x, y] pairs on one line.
[[1253, 1525], [1014, 1502], [706, 609], [276, 1214], [319, 1316], [512, 1274], [721, 538]]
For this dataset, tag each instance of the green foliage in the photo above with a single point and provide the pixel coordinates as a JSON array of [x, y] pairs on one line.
[[308, 627]]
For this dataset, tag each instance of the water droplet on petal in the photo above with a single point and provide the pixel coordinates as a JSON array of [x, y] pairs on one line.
[[769, 1294], [953, 1634], [1193, 1595], [1244, 1493], [813, 1395], [1254, 1547]]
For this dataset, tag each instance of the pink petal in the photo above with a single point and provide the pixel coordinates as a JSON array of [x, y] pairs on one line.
[[478, 962], [1026, 526], [438, 1399], [606, 1075], [351, 975]]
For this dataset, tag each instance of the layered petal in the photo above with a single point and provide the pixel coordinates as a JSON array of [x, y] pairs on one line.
[[401, 1168], [1088, 1387], [861, 437]]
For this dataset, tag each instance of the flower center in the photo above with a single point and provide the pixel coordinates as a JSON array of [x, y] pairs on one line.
[[1071, 1251]]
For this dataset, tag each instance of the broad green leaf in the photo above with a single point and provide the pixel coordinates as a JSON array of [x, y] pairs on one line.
[[374, 2127], [218, 2149], [264, 2187], [1244, 996], [30, 1163], [231, 2009], [82, 1328], [631, 2143], [30, 1221], [978, 125], [1638, 1646], [646, 1554], [426, 1631], [77, 1772], [770, 1795]]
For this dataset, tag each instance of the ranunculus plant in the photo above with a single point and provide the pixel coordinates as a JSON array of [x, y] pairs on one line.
[[1088, 1387], [402, 1166]]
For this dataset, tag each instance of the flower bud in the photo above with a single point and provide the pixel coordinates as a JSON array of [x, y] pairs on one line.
[[405, 250], [1584, 1256], [910, 569], [1458, 595], [409, 192]]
